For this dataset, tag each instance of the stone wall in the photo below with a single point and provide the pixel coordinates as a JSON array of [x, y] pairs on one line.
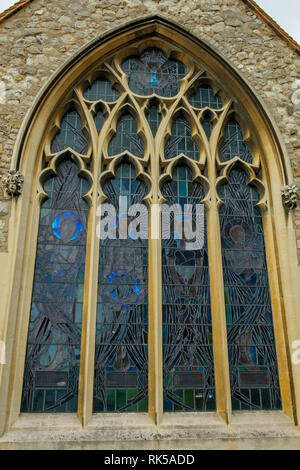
[[38, 39]]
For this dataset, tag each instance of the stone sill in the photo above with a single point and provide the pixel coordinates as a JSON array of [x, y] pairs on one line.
[[135, 431]]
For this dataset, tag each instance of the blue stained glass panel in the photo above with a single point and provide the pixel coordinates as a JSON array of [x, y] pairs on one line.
[[126, 138], [101, 90], [233, 144], [251, 343], [54, 337], [153, 72], [181, 141], [154, 119], [188, 365], [99, 120], [121, 364], [207, 126], [70, 135], [205, 97]]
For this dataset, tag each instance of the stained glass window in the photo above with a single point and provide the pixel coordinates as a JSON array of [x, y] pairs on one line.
[[101, 90], [187, 328], [99, 120], [153, 72], [124, 346], [126, 138], [154, 119], [207, 124], [53, 349], [233, 144], [205, 97], [121, 364], [70, 134], [181, 141], [251, 343]]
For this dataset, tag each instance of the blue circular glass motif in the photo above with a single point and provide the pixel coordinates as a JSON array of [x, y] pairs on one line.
[[67, 226]]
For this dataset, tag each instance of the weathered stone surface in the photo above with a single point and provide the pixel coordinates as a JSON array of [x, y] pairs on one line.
[[218, 27], [3, 208]]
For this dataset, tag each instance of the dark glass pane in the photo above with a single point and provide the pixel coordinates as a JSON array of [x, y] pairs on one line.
[[126, 138], [154, 119], [70, 135], [181, 141], [152, 72], [207, 126], [101, 90], [233, 144], [53, 348], [121, 369], [205, 97], [187, 327], [99, 121], [252, 354]]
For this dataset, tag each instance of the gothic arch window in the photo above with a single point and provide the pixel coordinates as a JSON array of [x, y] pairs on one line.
[[143, 325]]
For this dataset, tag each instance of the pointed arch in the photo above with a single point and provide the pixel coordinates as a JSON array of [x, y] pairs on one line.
[[160, 27], [28, 158]]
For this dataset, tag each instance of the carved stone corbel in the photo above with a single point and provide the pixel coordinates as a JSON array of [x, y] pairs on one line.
[[290, 195], [12, 182]]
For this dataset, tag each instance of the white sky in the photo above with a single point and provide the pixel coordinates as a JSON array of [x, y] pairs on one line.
[[285, 12]]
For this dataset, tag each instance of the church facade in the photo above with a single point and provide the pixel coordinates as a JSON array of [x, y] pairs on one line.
[[117, 332]]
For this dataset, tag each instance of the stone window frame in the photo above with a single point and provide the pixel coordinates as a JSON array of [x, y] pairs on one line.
[[269, 151]]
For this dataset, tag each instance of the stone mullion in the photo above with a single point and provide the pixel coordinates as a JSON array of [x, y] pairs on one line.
[[219, 329], [220, 348], [87, 355], [155, 316]]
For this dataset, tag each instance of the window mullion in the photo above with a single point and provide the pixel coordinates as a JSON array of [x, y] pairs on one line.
[[87, 357], [222, 380], [155, 303], [155, 331]]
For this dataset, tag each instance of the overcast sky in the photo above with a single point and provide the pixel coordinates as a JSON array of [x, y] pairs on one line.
[[285, 12]]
